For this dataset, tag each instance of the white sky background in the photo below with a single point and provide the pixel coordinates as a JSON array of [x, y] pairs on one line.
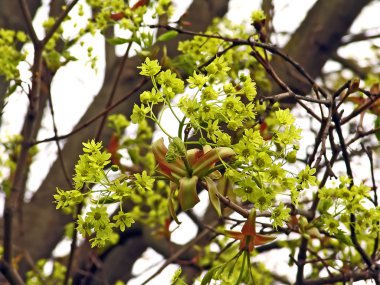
[[76, 84]]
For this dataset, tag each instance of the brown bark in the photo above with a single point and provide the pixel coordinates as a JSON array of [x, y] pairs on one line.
[[316, 40], [114, 264]]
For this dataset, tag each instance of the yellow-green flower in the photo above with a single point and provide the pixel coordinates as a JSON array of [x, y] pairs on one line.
[[306, 178], [150, 67]]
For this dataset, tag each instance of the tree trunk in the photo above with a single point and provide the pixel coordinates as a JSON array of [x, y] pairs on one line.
[[316, 40]]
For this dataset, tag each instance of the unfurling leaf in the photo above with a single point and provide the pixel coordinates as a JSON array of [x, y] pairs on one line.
[[202, 166], [173, 187], [118, 41], [212, 190], [187, 194], [209, 275], [167, 36]]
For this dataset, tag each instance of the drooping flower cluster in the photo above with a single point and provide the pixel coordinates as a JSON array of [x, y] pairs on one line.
[[91, 169]]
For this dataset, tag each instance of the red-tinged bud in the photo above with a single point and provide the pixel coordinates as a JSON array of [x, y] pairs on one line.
[[375, 89], [264, 131], [314, 233], [354, 85], [215, 175], [187, 194], [112, 148], [249, 227], [193, 155], [186, 23]]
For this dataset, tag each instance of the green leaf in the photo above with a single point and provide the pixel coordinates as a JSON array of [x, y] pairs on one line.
[[172, 212], [209, 275], [324, 205], [242, 269], [105, 201], [11, 89], [343, 237], [176, 276], [67, 55], [69, 230], [6, 187], [212, 190], [118, 41], [167, 36], [185, 62], [187, 194]]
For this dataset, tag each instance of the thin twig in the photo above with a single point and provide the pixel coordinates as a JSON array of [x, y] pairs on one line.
[[97, 137], [73, 246], [59, 149], [95, 118], [360, 109], [347, 277], [323, 139], [113, 91], [177, 255], [29, 22], [271, 48], [375, 201], [301, 260], [361, 134], [58, 22], [323, 261], [310, 111], [10, 274], [347, 162]]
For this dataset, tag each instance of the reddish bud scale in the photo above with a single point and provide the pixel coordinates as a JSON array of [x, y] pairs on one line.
[[139, 4], [117, 16], [186, 23], [264, 131], [112, 148]]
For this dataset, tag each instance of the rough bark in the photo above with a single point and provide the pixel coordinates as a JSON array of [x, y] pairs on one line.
[[316, 40], [113, 264], [119, 262]]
